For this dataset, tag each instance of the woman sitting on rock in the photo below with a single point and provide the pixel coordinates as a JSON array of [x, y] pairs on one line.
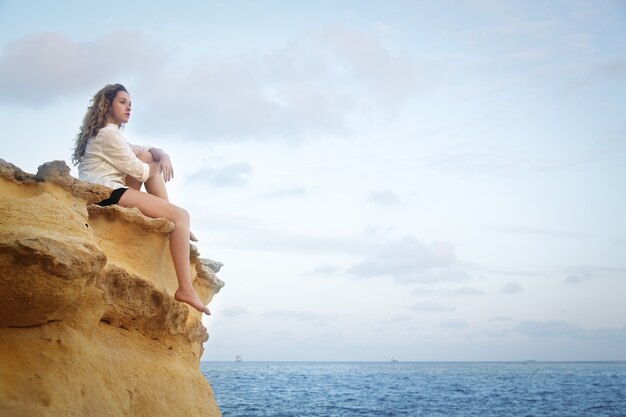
[[104, 157]]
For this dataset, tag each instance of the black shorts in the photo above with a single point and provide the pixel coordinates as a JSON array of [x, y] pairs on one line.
[[114, 198]]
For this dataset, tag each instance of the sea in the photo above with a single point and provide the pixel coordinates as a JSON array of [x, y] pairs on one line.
[[396, 389]]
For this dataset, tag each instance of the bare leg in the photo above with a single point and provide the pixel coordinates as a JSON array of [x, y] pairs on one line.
[[153, 206], [155, 184], [133, 183]]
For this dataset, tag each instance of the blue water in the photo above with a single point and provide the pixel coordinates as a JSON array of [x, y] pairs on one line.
[[377, 389]]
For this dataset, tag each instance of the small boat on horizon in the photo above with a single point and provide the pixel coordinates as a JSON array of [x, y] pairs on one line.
[[238, 358]]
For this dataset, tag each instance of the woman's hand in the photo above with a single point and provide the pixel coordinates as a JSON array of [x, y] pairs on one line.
[[165, 163], [167, 170]]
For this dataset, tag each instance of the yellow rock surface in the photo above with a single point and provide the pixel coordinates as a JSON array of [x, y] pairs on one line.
[[88, 322]]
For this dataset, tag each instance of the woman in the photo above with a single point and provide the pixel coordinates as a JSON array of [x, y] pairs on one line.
[[104, 157]]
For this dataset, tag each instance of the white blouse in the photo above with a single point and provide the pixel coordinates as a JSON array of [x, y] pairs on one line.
[[108, 158]]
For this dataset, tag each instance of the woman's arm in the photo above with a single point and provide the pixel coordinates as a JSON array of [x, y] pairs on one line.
[[165, 163], [115, 150]]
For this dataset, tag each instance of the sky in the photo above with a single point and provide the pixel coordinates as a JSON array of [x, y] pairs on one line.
[[424, 181]]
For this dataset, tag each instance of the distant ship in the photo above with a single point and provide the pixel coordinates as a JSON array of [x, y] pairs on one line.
[[238, 358], [393, 360]]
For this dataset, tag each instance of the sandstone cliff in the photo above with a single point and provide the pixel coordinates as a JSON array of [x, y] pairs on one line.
[[88, 324]]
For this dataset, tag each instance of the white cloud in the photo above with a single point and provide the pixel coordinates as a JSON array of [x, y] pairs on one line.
[[40, 68], [389, 77], [315, 84], [587, 272], [454, 324], [548, 328], [518, 28], [214, 98], [299, 315], [463, 291], [430, 307], [512, 288], [324, 270], [405, 259], [500, 318], [234, 311], [229, 175], [384, 197], [577, 278], [289, 192], [616, 336], [398, 318], [614, 69], [408, 259], [251, 236], [312, 85], [525, 230], [495, 333]]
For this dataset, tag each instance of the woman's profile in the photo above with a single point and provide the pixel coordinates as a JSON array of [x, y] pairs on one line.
[[104, 157]]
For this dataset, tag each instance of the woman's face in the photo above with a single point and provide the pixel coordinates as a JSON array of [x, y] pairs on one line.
[[120, 108]]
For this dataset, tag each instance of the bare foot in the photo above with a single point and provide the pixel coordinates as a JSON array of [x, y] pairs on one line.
[[191, 297], [192, 237]]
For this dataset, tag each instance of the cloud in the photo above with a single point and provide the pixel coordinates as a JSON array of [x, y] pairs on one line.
[[569, 339], [463, 291], [384, 198], [405, 259], [40, 68], [429, 307], [409, 260], [608, 335], [514, 273], [424, 291], [315, 84], [577, 278], [291, 192], [324, 270], [399, 318], [486, 6], [247, 235], [500, 318], [299, 315], [614, 69], [454, 324], [549, 328], [512, 288], [534, 231], [518, 28], [389, 77], [234, 312], [583, 273], [219, 98], [499, 161], [495, 333], [230, 175]]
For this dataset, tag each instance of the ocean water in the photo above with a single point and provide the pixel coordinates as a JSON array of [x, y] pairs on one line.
[[378, 389]]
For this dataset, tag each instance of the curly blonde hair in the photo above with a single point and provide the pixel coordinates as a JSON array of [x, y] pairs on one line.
[[96, 118]]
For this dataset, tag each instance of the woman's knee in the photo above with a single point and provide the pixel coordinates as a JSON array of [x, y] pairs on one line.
[[182, 216]]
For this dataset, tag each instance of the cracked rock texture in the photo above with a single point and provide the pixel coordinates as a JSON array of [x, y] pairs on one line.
[[88, 322]]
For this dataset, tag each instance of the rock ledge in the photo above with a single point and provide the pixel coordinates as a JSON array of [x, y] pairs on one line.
[[88, 322]]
